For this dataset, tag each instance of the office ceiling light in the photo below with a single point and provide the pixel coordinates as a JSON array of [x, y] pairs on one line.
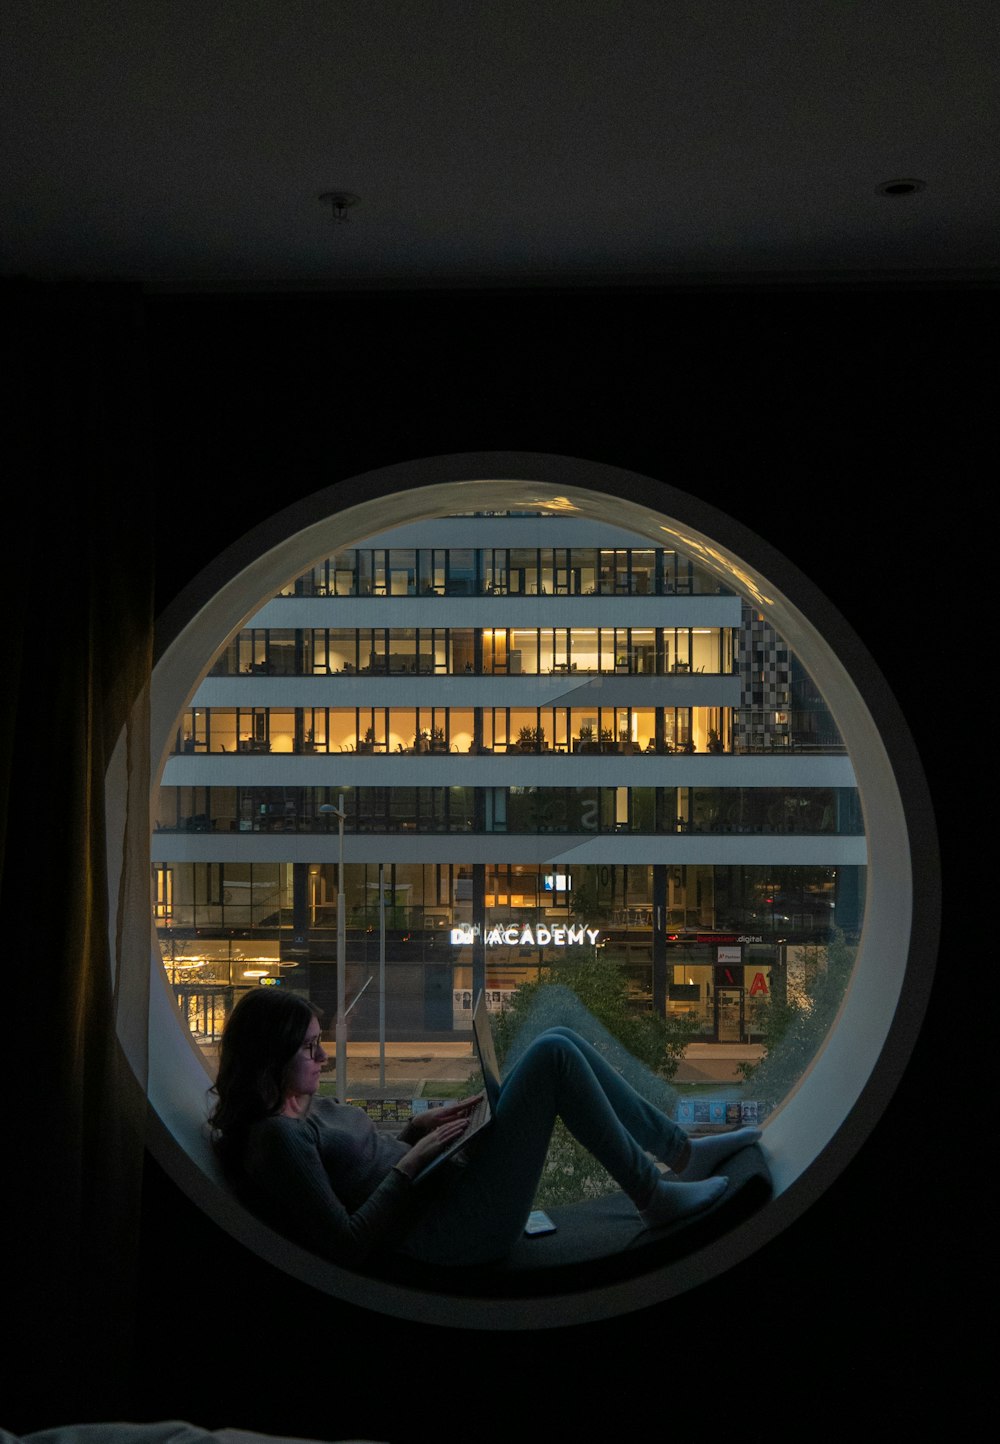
[[339, 202], [904, 187]]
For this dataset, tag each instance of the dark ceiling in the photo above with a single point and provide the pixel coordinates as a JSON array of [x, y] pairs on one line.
[[186, 143]]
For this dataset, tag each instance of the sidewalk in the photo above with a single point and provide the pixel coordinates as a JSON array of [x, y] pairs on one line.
[[715, 1062], [409, 1066]]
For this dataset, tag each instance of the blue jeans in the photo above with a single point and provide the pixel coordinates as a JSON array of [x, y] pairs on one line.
[[479, 1214]]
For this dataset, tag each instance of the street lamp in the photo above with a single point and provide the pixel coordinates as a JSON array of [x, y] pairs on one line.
[[340, 1036]]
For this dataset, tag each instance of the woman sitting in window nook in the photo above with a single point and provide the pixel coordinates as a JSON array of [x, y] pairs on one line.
[[322, 1173]]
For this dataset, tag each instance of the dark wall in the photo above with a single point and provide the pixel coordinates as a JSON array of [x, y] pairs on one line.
[[838, 425]]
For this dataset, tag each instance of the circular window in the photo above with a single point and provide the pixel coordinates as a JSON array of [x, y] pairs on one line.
[[646, 691]]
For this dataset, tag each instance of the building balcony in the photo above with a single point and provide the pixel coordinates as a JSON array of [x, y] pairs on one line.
[[779, 767], [437, 845], [511, 610], [556, 687]]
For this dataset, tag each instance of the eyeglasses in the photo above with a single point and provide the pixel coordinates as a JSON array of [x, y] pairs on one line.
[[314, 1046]]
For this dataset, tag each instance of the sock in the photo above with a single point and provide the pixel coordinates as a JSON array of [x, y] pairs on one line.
[[707, 1153], [672, 1201]]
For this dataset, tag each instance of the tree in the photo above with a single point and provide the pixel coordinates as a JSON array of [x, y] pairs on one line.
[[586, 990], [599, 984]]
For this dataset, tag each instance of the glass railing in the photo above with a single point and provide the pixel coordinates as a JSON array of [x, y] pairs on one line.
[[803, 812]]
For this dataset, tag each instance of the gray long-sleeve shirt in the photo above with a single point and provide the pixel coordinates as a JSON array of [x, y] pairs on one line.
[[328, 1180]]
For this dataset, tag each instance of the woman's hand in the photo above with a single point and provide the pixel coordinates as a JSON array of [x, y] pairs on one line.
[[434, 1141], [435, 1118]]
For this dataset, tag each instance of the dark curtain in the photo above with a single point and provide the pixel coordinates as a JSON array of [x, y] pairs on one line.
[[78, 648]]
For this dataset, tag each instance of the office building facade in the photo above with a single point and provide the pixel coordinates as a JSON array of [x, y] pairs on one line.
[[548, 734]]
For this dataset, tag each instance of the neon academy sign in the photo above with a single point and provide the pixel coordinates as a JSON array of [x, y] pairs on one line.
[[523, 935]]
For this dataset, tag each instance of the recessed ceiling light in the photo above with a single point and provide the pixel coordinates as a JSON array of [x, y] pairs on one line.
[[903, 187], [340, 201]]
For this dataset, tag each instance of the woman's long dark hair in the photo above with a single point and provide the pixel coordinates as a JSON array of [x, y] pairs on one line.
[[262, 1035]]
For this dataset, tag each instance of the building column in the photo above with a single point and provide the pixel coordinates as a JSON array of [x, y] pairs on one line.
[[660, 939], [847, 896], [479, 938], [297, 951]]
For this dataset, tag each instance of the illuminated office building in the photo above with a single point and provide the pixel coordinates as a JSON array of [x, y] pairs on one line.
[[547, 735]]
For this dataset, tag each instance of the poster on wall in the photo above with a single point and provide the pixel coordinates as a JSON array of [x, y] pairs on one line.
[[461, 1007], [461, 1004]]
